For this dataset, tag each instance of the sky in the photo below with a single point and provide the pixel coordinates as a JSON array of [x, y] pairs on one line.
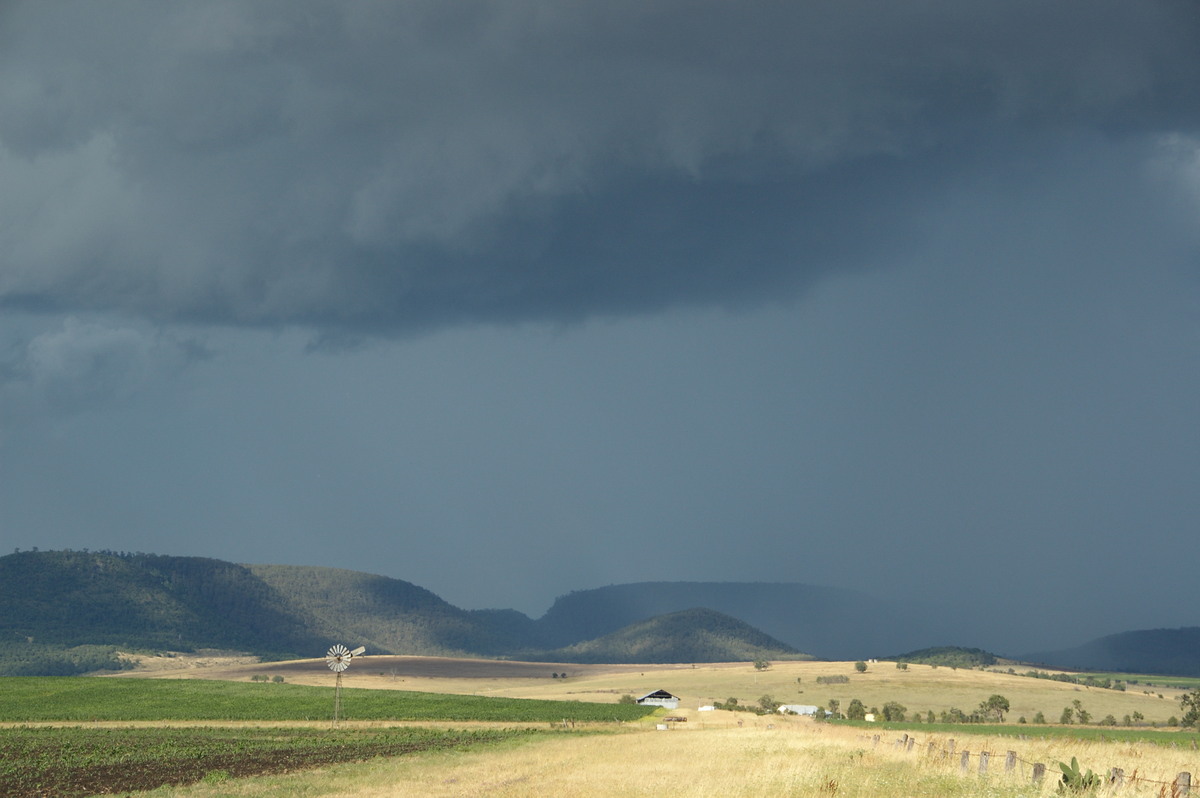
[[512, 299]]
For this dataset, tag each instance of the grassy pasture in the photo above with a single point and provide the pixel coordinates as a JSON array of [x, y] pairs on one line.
[[920, 687], [25, 699]]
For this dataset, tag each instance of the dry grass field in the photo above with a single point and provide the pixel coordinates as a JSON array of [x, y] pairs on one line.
[[789, 757], [920, 688]]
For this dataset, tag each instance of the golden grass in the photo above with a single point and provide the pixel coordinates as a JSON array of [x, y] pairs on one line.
[[795, 757], [920, 688]]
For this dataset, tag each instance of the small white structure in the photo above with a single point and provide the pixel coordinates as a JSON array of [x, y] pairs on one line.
[[660, 698], [708, 708], [796, 709], [869, 717]]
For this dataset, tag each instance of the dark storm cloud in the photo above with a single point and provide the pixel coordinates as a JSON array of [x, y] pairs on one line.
[[382, 166]]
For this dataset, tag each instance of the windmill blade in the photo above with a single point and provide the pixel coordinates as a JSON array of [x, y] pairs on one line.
[[338, 658], [356, 652]]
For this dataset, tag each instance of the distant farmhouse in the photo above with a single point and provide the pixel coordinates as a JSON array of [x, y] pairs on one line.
[[660, 698]]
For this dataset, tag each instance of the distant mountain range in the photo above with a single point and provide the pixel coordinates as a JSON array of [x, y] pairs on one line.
[[68, 611], [1174, 652]]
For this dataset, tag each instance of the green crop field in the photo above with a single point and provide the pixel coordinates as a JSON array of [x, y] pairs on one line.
[[79, 761], [26, 699]]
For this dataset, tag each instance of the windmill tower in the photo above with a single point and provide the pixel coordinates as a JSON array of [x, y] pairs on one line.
[[338, 659]]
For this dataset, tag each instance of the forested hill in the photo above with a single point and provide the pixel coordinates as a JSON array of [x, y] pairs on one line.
[[1173, 652], [66, 612], [830, 622], [73, 598], [696, 635], [392, 615]]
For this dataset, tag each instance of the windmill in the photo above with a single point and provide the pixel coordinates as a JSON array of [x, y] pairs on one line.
[[338, 659]]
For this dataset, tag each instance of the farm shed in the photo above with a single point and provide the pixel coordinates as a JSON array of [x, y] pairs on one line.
[[797, 709], [660, 698]]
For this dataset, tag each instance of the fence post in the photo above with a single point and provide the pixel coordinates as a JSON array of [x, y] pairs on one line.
[[1183, 784], [1039, 772], [950, 747], [983, 760], [1010, 761], [929, 749], [1117, 777], [911, 742], [875, 741], [965, 762]]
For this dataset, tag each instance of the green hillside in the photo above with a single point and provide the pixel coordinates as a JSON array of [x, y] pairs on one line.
[[390, 615], [68, 598], [949, 656], [696, 635]]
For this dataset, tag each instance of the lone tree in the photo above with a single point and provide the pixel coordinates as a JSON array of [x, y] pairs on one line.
[[994, 708], [894, 710], [1190, 704], [860, 666]]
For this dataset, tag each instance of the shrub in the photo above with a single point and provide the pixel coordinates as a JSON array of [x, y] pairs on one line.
[[1074, 779], [839, 679]]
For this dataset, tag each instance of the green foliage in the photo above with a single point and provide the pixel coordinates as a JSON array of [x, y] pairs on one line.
[[856, 710], [73, 699], [1075, 779], [761, 664], [767, 704], [993, 708], [627, 699], [860, 666], [55, 660], [1190, 704], [893, 711]]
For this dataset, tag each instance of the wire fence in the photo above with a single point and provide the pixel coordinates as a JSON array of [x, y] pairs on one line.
[[1017, 766]]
